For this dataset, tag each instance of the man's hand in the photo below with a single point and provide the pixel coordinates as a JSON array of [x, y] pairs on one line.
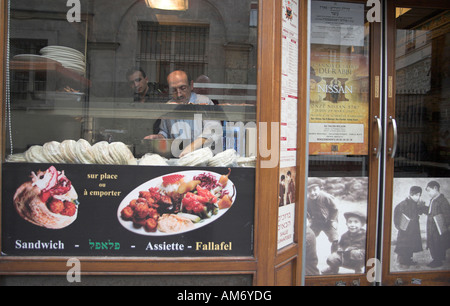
[[154, 136]]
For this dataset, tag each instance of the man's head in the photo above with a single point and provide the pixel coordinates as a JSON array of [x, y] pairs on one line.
[[289, 176], [433, 188], [415, 192], [138, 81], [180, 86], [355, 220], [314, 188]]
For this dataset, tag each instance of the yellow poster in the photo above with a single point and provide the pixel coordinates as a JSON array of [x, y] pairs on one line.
[[339, 102]]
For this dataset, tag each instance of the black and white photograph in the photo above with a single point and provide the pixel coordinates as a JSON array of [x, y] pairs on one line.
[[420, 236], [336, 225], [286, 206]]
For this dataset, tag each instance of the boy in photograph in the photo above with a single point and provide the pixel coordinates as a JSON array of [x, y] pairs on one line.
[[406, 221], [311, 259], [290, 188], [323, 212], [438, 222], [281, 196], [351, 250]]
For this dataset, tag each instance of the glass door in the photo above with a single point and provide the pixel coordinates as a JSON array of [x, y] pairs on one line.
[[344, 146], [417, 210]]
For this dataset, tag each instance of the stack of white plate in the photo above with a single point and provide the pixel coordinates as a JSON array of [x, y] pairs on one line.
[[32, 58], [70, 58]]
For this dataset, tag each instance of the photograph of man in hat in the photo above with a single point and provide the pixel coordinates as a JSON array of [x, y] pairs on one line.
[[290, 188], [323, 212], [351, 250], [420, 235], [438, 224], [406, 221], [282, 193], [339, 246]]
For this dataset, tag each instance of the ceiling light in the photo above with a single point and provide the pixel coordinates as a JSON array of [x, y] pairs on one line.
[[172, 5]]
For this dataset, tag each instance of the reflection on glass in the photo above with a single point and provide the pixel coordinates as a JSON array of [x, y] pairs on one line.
[[176, 5], [339, 90], [421, 210], [422, 94], [338, 139], [105, 78]]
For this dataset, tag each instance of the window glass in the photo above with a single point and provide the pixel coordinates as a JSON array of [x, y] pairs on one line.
[[130, 128], [337, 191], [422, 103], [421, 146], [95, 71]]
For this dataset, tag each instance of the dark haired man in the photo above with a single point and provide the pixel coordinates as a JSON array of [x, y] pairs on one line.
[[323, 212], [406, 221], [138, 81], [438, 222]]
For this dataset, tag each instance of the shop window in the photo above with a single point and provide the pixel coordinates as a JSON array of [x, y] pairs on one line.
[[24, 83], [136, 104], [165, 48], [76, 74]]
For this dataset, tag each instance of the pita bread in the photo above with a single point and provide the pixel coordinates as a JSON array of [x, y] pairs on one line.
[[196, 157], [226, 158], [69, 149], [169, 223], [35, 154], [101, 153], [121, 154], [84, 152], [52, 152], [30, 207]]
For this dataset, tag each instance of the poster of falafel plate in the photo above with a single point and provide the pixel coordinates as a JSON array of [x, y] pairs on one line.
[[97, 210]]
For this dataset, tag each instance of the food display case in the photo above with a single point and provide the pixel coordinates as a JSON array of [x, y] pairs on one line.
[[91, 168]]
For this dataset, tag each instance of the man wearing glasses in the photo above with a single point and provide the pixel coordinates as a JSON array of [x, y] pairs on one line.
[[197, 130]]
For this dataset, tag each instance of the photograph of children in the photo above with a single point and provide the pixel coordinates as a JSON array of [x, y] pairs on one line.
[[420, 235], [336, 225], [282, 191], [286, 206], [287, 186]]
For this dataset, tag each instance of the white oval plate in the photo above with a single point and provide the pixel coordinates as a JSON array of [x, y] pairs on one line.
[[61, 48], [157, 182]]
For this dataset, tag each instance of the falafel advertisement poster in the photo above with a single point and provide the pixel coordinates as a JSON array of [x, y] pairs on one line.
[[152, 211]]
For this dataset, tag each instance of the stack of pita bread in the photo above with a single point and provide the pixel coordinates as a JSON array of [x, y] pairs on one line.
[[226, 158], [249, 161], [80, 152], [118, 153], [151, 159], [197, 157]]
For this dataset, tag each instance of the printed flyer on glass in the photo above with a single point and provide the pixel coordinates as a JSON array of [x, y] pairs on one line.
[[339, 81]]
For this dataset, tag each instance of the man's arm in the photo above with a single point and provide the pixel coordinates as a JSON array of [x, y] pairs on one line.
[[154, 136]]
